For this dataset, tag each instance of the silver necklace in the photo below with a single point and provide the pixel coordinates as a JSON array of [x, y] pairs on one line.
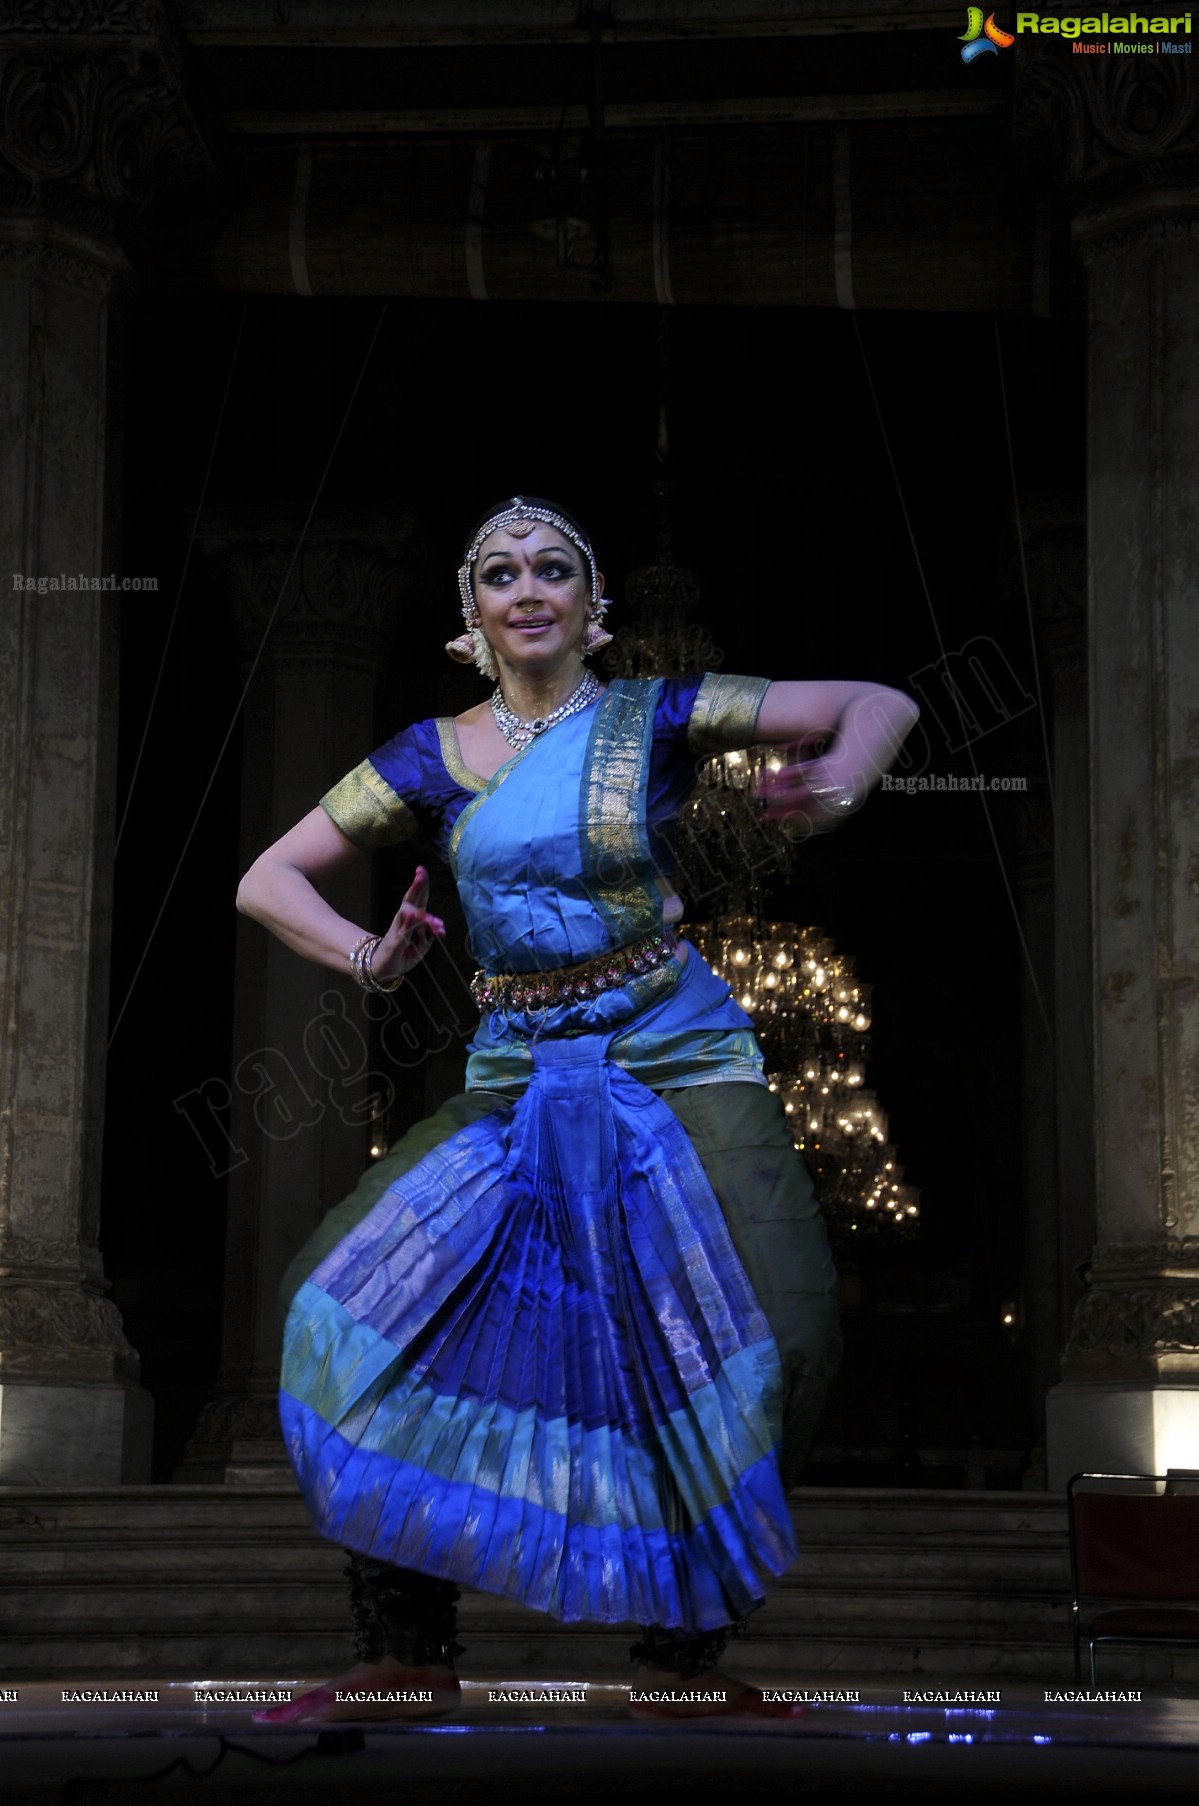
[[520, 734]]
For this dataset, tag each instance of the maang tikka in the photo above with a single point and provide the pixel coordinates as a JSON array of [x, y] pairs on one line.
[[519, 518]]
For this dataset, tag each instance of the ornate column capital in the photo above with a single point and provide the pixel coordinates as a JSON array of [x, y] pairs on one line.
[[1121, 134], [56, 1333], [341, 603], [1140, 1315], [94, 127]]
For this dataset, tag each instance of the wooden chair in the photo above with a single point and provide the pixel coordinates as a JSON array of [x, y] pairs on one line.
[[1134, 1538]]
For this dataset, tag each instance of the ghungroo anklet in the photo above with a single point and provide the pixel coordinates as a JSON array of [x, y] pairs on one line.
[[686, 1653], [398, 1612]]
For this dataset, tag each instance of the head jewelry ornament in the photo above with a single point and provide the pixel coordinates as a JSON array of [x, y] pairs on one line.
[[471, 647]]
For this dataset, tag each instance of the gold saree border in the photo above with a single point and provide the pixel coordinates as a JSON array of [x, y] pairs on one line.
[[451, 755], [614, 840]]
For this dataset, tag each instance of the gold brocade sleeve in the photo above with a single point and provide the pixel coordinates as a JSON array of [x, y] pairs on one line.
[[368, 811], [725, 713]]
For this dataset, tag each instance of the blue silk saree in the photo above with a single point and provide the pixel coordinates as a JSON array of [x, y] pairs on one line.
[[536, 1365]]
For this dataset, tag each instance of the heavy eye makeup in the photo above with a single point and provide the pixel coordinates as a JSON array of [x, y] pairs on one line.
[[555, 570]]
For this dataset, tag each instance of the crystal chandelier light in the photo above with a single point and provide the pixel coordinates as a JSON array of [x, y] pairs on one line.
[[661, 639], [811, 1015], [727, 851]]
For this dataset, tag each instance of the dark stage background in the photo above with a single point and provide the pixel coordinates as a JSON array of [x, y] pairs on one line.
[[788, 509]]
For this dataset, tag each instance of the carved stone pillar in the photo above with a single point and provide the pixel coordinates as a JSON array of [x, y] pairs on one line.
[[1057, 566], [91, 125], [299, 1109], [1128, 142], [1032, 870], [1059, 1196]]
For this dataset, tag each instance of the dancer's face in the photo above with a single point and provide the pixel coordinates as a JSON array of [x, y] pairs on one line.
[[533, 593]]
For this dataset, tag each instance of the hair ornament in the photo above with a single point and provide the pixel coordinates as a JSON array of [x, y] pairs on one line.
[[511, 518]]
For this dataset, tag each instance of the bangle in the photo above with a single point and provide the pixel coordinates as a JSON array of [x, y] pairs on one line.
[[360, 965], [836, 799]]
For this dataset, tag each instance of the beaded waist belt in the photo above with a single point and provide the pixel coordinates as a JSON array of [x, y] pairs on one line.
[[572, 984]]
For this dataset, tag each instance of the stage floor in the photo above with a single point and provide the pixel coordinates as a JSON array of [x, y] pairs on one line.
[[177, 1748]]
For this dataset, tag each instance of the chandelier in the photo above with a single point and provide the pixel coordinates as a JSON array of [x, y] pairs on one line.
[[810, 1012], [811, 1015], [727, 850], [661, 639]]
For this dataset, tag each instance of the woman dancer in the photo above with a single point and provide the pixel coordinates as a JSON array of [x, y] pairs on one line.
[[568, 1340]]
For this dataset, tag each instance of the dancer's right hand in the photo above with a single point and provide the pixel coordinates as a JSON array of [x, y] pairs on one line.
[[411, 934]]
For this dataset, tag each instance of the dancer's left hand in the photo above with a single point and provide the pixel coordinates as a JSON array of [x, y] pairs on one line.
[[792, 794]]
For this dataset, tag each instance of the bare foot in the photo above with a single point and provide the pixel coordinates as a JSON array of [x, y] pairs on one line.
[[660, 1693], [373, 1690]]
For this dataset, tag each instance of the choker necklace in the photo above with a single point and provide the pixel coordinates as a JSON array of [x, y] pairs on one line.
[[520, 734]]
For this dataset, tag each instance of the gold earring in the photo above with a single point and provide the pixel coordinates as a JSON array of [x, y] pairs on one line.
[[596, 637], [470, 648]]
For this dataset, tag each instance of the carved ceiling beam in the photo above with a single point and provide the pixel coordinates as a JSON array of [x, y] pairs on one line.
[[379, 24]]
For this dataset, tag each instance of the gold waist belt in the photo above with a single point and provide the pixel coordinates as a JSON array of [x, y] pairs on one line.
[[572, 984]]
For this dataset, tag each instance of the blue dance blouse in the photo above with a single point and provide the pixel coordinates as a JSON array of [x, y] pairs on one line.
[[558, 859]]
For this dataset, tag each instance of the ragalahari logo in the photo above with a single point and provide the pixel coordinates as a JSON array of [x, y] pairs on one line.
[[982, 37]]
